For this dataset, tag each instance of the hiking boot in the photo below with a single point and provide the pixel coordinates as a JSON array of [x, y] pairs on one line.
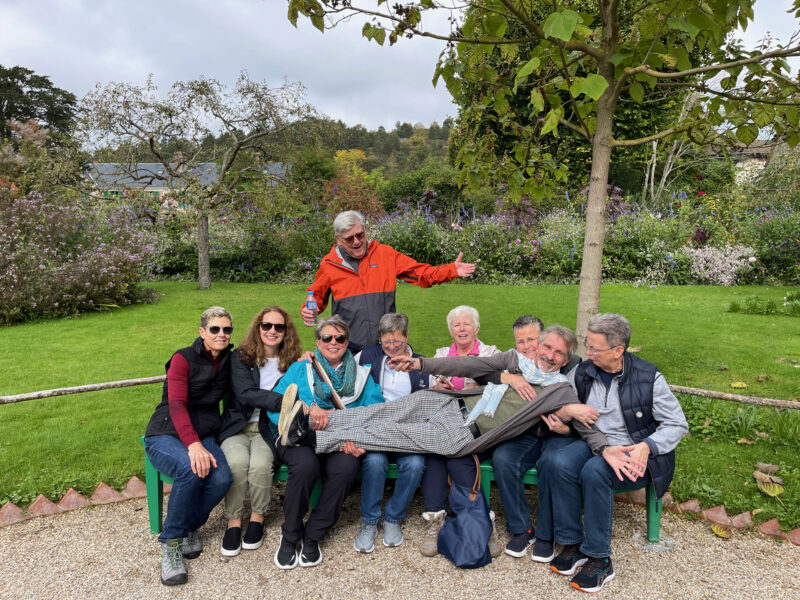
[[191, 545], [543, 551], [289, 397], [429, 546], [365, 540], [495, 549], [519, 543], [286, 555], [231, 542], [568, 561], [254, 536], [296, 426], [310, 553], [173, 571], [594, 575], [392, 534]]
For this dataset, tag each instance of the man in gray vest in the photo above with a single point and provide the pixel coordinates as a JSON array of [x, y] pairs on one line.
[[643, 423]]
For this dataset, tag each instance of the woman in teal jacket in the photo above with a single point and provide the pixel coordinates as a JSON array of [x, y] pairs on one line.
[[355, 387]]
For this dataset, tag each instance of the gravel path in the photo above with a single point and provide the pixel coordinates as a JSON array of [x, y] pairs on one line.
[[108, 552]]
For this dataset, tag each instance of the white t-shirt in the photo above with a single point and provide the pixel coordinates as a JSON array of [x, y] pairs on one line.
[[268, 376]]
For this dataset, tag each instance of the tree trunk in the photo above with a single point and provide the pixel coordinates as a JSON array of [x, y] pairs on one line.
[[203, 259], [592, 264]]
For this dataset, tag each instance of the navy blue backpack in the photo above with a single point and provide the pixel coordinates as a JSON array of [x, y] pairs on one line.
[[464, 537]]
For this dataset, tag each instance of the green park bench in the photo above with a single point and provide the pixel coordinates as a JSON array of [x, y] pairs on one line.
[[154, 481]]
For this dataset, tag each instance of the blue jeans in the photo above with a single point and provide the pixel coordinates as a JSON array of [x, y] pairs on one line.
[[570, 478], [410, 468], [511, 460], [192, 498]]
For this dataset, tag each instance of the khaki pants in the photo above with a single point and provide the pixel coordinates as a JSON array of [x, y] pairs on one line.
[[250, 460]]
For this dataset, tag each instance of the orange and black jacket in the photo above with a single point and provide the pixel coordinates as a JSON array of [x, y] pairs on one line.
[[362, 298]]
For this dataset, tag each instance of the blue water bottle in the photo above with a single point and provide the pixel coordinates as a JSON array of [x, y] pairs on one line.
[[311, 304]]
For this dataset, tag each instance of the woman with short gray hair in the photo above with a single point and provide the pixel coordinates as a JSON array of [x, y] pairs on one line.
[[463, 322]]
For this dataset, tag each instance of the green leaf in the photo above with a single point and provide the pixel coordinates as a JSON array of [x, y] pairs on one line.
[[684, 26], [637, 92], [793, 139], [561, 25], [318, 22], [593, 86], [537, 101], [763, 115], [551, 122], [746, 134], [495, 24], [728, 83], [683, 62], [526, 69]]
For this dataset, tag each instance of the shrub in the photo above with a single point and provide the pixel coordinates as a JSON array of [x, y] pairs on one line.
[[720, 266], [414, 233], [60, 259]]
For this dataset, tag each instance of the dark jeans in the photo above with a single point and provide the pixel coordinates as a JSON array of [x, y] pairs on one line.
[[570, 478], [434, 481], [340, 471], [511, 460], [192, 498]]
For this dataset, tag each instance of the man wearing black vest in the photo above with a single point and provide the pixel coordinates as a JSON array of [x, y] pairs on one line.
[[643, 423]]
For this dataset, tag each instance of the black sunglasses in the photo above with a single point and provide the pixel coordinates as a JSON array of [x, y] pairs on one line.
[[340, 339], [214, 329], [266, 326]]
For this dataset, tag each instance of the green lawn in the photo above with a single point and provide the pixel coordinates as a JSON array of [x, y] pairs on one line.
[[49, 445]]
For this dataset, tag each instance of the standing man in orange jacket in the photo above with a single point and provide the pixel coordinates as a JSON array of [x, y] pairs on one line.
[[361, 275]]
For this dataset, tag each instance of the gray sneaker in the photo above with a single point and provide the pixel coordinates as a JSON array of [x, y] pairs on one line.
[[191, 545], [392, 534], [173, 572], [365, 540], [435, 520]]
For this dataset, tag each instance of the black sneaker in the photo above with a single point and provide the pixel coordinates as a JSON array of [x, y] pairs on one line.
[[286, 555], [594, 575], [296, 425], [310, 553], [519, 543], [231, 542], [543, 551], [569, 560], [254, 536]]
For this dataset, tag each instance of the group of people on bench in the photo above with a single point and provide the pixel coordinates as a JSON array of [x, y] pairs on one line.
[[607, 423]]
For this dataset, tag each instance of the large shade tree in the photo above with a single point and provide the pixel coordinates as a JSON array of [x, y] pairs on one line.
[[26, 96], [198, 122], [581, 58]]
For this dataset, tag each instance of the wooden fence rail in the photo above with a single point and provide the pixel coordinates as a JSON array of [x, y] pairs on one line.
[[94, 387]]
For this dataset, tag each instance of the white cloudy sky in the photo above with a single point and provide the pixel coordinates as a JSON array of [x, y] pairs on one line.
[[78, 43]]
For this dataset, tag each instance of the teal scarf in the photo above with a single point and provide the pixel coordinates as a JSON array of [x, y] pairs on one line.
[[344, 382]]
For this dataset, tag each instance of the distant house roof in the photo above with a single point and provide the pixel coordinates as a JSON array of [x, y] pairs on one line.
[[144, 175]]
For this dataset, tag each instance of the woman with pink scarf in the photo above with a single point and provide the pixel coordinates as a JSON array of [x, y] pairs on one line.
[[464, 323]]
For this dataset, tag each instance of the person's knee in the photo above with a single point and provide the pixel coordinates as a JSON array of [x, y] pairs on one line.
[[375, 462], [307, 470], [239, 464], [413, 464], [595, 472]]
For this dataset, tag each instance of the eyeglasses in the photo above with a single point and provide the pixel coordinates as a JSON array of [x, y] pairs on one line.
[[526, 341], [266, 326], [215, 329], [593, 350], [360, 236], [340, 339], [392, 343]]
